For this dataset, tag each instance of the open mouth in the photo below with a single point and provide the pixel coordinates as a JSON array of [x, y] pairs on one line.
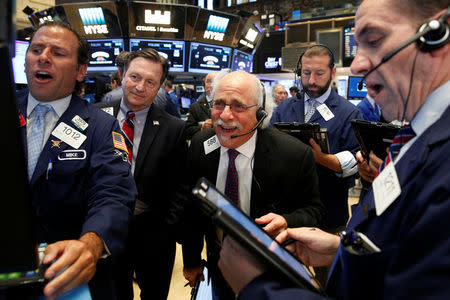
[[42, 75]]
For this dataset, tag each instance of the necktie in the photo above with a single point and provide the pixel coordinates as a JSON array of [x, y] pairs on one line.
[[404, 135], [311, 110], [36, 136], [232, 183], [128, 129]]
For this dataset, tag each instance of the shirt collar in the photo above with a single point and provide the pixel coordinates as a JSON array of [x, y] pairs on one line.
[[59, 105], [247, 149], [208, 98], [432, 109], [322, 98], [371, 100]]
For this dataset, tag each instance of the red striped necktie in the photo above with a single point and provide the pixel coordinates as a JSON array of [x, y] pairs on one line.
[[232, 183], [128, 129], [404, 135]]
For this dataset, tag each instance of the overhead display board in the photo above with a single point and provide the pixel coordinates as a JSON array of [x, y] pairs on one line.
[[204, 58], [94, 20], [103, 53], [249, 38], [242, 61], [55, 13], [153, 20], [173, 51], [215, 27]]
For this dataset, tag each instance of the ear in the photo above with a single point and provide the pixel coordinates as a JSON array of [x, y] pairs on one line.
[[333, 72], [81, 72]]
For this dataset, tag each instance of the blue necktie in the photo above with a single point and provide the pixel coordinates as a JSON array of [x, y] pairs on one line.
[[311, 110], [36, 136], [232, 183]]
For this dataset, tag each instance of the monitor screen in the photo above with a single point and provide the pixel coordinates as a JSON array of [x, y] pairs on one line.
[[173, 51], [350, 47], [242, 61], [18, 62], [215, 27], [185, 102], [103, 53], [204, 58], [353, 92]]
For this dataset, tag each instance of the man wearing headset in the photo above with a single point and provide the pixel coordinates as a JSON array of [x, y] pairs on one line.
[[319, 103], [276, 180], [406, 213]]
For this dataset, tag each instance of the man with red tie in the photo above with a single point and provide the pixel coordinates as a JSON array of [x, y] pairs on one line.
[[157, 150]]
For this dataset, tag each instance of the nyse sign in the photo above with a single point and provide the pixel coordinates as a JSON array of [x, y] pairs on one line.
[[95, 29], [212, 35], [157, 17]]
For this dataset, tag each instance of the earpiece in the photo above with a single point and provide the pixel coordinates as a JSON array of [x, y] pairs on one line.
[[298, 70], [438, 34]]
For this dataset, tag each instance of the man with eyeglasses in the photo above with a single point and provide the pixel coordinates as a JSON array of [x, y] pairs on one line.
[[157, 150], [270, 175]]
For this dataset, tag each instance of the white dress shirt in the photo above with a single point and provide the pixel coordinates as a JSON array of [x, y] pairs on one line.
[[346, 159], [244, 167]]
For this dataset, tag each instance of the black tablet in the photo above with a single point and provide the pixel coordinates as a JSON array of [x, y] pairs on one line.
[[306, 131], [244, 230], [374, 136]]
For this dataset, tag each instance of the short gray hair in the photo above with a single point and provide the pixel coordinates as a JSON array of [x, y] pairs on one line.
[[255, 83]]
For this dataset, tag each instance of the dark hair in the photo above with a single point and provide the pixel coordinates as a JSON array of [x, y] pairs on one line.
[[319, 50], [168, 83], [294, 88], [152, 55], [420, 10], [83, 45], [121, 59], [115, 77]]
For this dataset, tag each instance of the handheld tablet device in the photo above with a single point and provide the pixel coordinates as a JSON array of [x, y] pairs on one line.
[[306, 131], [374, 136], [238, 225]]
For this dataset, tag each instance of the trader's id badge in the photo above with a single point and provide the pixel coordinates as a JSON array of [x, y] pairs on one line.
[[211, 144], [386, 188]]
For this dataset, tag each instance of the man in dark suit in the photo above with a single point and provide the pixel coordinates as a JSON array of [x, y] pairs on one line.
[[199, 114], [158, 151], [82, 190], [276, 177], [406, 213], [319, 103]]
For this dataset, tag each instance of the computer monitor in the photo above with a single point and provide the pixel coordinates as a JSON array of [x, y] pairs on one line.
[[18, 62], [350, 47], [173, 51], [353, 91], [242, 61], [103, 53], [205, 58]]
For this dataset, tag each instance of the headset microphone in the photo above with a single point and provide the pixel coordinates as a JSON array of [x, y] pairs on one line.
[[262, 114]]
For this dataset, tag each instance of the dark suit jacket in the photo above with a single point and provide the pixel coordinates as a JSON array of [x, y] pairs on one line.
[[333, 189], [198, 112], [94, 192], [160, 164], [284, 182], [368, 112], [412, 234]]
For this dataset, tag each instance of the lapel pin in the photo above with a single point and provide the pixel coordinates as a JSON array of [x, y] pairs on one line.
[[156, 123], [56, 144]]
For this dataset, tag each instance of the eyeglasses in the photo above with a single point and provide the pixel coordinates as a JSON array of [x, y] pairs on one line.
[[235, 107]]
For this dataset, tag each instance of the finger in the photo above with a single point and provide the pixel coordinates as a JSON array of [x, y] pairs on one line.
[[52, 251], [282, 236], [72, 252], [77, 279]]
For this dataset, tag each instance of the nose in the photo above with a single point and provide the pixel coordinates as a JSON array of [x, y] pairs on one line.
[[226, 114], [312, 78], [44, 56], [361, 64], [140, 86]]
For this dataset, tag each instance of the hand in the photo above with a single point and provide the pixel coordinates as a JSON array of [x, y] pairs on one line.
[[238, 266], [313, 246], [78, 257], [329, 161], [191, 274], [368, 170], [317, 151], [275, 223], [207, 124]]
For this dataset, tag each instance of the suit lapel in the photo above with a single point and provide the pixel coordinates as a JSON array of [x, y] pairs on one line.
[[331, 102], [151, 128], [52, 148], [205, 107], [259, 169], [299, 107]]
